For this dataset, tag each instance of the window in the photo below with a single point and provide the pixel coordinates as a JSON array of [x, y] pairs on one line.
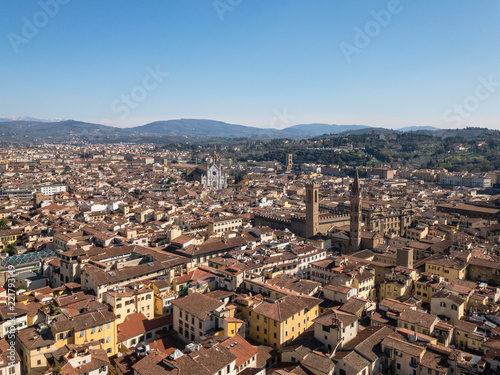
[[454, 307], [108, 338], [108, 325], [93, 329], [101, 328]]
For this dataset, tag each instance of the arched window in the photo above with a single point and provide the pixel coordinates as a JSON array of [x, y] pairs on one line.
[[454, 307], [442, 304]]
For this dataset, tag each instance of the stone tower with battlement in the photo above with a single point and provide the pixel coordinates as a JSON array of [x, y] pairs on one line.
[[312, 209], [404, 257], [355, 223]]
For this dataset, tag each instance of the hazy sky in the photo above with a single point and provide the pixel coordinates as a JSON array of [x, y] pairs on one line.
[[253, 62]]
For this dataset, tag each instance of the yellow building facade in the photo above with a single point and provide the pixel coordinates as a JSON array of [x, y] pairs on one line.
[[449, 269], [277, 323], [125, 301], [93, 326]]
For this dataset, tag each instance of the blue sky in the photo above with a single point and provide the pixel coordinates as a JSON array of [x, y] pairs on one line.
[[253, 62]]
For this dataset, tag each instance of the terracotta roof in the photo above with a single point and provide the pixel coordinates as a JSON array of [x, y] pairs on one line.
[[333, 317], [354, 306], [198, 305], [200, 362], [368, 342], [82, 321], [419, 318], [132, 326], [353, 359], [435, 361], [34, 338], [285, 307], [403, 346], [241, 349]]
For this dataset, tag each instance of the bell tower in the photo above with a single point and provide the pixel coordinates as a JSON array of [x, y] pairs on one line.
[[289, 163], [215, 157]]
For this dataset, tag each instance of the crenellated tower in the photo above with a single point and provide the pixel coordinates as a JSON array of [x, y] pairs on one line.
[[355, 224], [312, 209]]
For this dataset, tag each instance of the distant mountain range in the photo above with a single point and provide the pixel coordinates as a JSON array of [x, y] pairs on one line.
[[417, 128], [27, 118], [45, 130]]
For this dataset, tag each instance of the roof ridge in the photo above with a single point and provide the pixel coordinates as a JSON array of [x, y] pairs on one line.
[[279, 310]]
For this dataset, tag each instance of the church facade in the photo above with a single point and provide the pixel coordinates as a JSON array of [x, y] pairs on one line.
[[214, 177]]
